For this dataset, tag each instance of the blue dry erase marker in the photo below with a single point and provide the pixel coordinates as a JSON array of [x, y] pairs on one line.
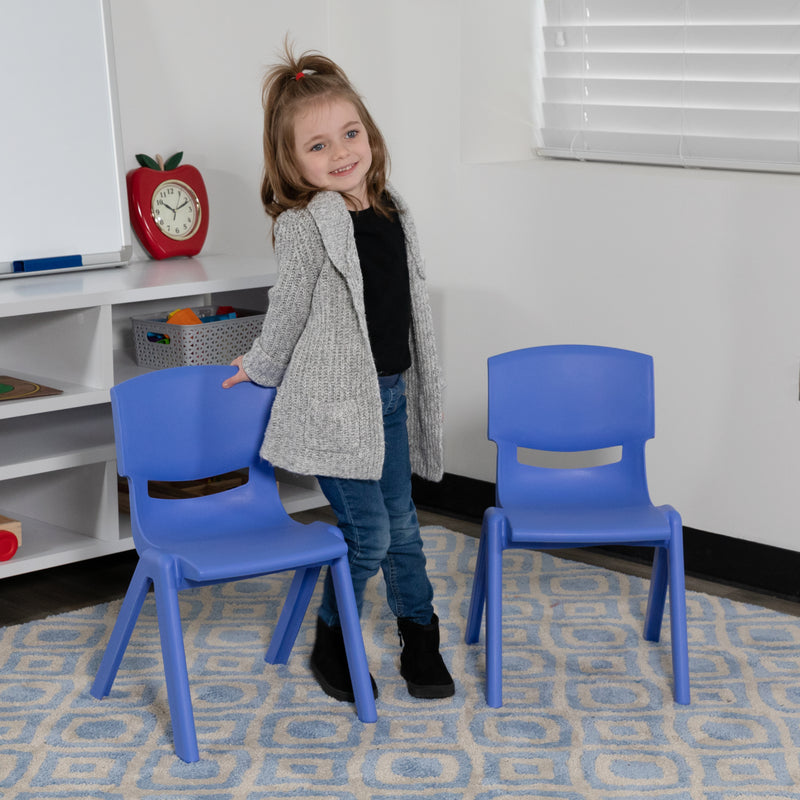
[[37, 264]]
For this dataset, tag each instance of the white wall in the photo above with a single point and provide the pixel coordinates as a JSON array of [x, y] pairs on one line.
[[696, 268], [189, 76]]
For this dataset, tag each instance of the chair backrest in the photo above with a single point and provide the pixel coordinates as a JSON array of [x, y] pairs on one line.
[[179, 424], [571, 398]]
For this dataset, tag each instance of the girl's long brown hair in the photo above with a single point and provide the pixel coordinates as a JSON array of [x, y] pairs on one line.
[[284, 95]]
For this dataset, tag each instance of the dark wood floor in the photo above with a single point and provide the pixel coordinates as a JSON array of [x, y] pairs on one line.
[[72, 586]]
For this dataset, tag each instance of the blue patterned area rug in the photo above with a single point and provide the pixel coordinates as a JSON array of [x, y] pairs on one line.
[[588, 712]]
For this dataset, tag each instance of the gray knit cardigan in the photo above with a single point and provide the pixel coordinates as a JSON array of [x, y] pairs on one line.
[[314, 346]]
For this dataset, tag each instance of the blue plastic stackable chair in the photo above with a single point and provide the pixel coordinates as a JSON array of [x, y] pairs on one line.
[[569, 399], [181, 425]]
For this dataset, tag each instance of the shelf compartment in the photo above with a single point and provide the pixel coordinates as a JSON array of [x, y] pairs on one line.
[[298, 492], [122, 325], [59, 440], [65, 514], [71, 352], [71, 346], [45, 546], [72, 395]]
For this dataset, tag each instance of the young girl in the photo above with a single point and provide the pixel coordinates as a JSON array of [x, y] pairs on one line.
[[348, 340]]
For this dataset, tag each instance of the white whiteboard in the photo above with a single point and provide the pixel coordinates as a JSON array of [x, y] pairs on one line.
[[62, 179]]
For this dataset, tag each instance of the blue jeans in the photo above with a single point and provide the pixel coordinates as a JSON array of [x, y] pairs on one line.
[[379, 523]]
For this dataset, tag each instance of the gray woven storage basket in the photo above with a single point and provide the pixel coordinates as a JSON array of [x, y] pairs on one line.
[[207, 343]]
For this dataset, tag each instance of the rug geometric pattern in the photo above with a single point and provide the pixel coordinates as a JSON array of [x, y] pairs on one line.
[[588, 712]]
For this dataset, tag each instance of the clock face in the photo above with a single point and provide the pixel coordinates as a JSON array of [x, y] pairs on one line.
[[176, 209]]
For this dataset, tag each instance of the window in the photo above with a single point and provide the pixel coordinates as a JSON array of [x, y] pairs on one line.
[[708, 83]]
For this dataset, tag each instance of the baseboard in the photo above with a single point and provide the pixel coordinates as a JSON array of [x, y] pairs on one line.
[[454, 495], [714, 556]]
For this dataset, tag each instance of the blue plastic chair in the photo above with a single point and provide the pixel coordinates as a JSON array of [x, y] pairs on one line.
[[574, 398], [180, 425]]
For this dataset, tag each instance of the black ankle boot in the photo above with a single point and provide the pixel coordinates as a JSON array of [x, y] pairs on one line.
[[329, 664], [420, 662]]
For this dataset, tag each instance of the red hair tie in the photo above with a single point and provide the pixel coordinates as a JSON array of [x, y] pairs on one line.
[[299, 75]]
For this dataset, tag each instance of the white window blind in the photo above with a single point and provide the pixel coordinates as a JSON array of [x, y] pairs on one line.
[[709, 83]]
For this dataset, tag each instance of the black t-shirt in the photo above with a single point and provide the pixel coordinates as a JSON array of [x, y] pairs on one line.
[[381, 249]]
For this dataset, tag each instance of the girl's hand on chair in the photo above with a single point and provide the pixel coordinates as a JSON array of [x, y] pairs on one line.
[[239, 377]]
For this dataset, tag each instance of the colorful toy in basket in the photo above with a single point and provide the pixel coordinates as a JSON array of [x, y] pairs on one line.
[[183, 316]]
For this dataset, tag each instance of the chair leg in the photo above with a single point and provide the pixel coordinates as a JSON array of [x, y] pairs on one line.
[[353, 640], [495, 544], [174, 658], [121, 633], [478, 596], [677, 614], [658, 595], [291, 618]]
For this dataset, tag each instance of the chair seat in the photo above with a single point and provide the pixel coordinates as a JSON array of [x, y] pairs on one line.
[[595, 524], [257, 552]]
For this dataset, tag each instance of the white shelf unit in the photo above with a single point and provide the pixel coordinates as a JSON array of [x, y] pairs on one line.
[[72, 331]]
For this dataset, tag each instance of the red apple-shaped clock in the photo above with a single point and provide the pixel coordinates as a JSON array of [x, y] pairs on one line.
[[168, 206]]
